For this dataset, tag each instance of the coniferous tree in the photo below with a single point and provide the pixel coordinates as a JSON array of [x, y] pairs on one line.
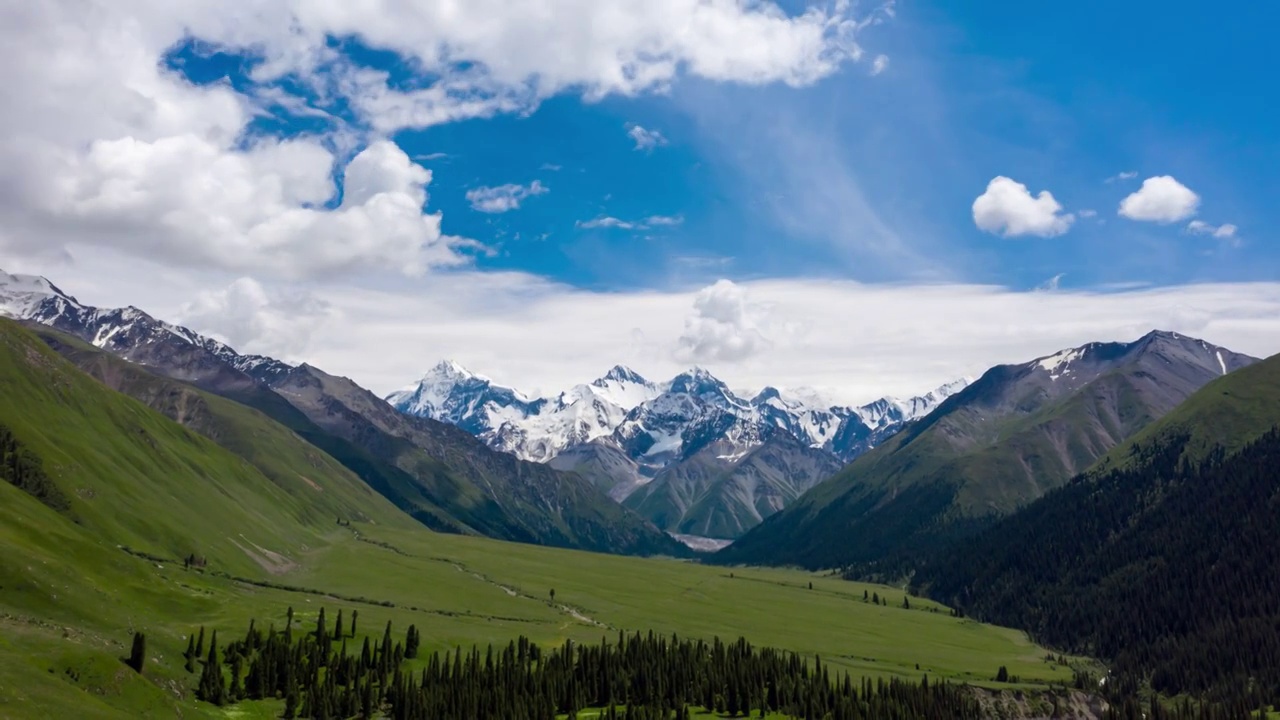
[[338, 627], [213, 686], [190, 654], [200, 643], [138, 653]]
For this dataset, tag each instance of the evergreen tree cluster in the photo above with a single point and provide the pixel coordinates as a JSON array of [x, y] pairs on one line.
[[21, 467], [637, 677], [1168, 569]]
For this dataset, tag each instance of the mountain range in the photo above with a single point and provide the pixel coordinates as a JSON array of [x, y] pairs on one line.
[[1016, 433], [438, 474], [689, 453]]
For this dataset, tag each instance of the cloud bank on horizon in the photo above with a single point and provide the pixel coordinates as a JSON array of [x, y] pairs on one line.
[[372, 188]]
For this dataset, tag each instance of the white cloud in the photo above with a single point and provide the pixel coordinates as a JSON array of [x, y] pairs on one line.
[[104, 146], [1161, 199], [645, 139], [653, 221], [245, 316], [721, 328], [1127, 175], [1007, 208], [663, 220], [880, 64], [855, 341], [1225, 231], [503, 198], [605, 221]]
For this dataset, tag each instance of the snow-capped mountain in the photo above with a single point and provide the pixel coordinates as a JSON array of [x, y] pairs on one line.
[[535, 429], [709, 460], [128, 332], [654, 424]]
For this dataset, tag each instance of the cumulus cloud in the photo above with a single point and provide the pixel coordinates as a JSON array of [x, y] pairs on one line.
[[1225, 231], [245, 316], [1127, 175], [1161, 199], [721, 328], [645, 139], [880, 64], [1007, 208], [503, 198], [110, 147]]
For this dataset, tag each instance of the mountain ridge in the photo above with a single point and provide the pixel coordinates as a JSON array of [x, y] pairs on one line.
[[1015, 433], [439, 475]]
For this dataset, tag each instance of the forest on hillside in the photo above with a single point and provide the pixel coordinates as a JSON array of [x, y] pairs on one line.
[[1168, 569]]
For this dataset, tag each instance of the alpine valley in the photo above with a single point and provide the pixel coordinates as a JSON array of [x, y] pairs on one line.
[[688, 454]]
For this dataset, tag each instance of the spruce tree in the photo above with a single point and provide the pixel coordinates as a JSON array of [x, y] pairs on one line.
[[138, 654], [338, 628], [213, 686], [200, 643], [190, 654], [354, 615]]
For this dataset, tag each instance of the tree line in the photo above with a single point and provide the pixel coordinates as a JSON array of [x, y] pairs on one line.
[[320, 674]]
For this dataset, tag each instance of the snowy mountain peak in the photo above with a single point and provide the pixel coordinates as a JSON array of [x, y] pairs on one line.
[[448, 370], [654, 424], [21, 295], [623, 374]]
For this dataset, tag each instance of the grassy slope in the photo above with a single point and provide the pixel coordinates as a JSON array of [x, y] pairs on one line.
[[69, 598], [328, 489], [138, 479], [1230, 412]]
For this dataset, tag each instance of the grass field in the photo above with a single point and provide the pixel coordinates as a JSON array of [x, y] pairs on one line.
[[69, 604]]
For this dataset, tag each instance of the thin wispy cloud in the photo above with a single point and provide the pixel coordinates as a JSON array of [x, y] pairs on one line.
[[503, 198], [645, 140]]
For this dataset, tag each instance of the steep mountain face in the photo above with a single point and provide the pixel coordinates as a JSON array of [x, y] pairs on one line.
[[1162, 559], [678, 440], [717, 493], [438, 474], [1016, 433]]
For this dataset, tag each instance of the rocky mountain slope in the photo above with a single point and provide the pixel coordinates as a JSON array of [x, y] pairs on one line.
[[1014, 434]]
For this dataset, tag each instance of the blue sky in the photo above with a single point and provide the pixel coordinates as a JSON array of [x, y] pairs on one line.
[[873, 177], [864, 197]]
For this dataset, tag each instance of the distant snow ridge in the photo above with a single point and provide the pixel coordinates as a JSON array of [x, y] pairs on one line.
[[654, 423]]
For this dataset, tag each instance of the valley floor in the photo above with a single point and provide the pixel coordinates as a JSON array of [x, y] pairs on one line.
[[69, 605]]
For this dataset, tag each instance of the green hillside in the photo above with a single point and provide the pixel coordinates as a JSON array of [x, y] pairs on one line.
[[71, 597], [328, 490], [1163, 559], [135, 478]]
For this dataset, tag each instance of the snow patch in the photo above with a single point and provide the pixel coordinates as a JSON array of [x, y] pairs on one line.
[[1059, 364], [1222, 363]]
